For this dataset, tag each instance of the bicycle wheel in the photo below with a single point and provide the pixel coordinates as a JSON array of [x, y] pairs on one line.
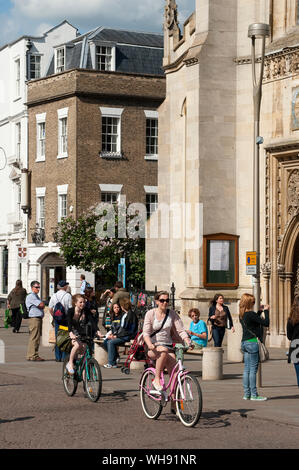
[[150, 398], [188, 400], [70, 383], [93, 380]]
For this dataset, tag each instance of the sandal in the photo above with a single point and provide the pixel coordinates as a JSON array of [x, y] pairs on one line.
[[69, 369], [157, 387]]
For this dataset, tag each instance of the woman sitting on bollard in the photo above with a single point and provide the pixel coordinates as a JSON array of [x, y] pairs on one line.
[[221, 319], [124, 328], [252, 324], [293, 336]]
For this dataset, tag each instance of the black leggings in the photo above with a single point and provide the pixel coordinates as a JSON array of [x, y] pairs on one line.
[[16, 318]]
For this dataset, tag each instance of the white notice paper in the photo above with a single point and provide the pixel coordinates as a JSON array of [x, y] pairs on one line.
[[219, 255]]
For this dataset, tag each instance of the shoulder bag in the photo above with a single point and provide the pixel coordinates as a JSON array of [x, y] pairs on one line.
[[263, 351]]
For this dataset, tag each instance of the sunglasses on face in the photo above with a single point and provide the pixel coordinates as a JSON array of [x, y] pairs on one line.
[[36, 287], [163, 300]]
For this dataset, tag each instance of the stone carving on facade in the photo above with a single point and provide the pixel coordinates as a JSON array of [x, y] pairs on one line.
[[278, 65], [281, 270], [171, 14], [296, 287], [293, 194]]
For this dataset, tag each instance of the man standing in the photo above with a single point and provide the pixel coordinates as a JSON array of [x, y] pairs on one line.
[[35, 309], [65, 299], [121, 293], [83, 284]]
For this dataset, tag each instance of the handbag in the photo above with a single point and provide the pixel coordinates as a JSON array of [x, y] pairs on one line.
[[63, 341], [7, 318], [263, 351]]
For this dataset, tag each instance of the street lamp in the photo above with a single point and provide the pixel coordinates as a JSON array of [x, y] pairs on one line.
[[257, 31]]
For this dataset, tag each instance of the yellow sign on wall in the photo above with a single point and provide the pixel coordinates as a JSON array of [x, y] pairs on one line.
[[250, 258]]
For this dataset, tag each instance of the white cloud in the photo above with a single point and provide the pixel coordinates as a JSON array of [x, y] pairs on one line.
[[35, 17]]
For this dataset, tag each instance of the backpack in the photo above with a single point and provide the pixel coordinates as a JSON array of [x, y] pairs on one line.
[[59, 313]]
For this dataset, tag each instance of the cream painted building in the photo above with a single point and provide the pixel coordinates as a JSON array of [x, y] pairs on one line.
[[205, 172]]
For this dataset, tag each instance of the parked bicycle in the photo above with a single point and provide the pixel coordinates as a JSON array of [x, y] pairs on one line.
[[182, 388], [87, 370]]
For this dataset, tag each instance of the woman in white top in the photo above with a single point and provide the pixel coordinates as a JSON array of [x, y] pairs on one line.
[[160, 345]]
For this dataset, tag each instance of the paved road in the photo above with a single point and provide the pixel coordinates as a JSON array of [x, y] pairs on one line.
[[35, 409]]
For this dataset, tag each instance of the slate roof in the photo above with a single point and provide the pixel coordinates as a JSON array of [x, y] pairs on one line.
[[136, 52]]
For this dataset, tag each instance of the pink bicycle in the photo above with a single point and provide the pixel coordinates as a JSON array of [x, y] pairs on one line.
[[182, 388]]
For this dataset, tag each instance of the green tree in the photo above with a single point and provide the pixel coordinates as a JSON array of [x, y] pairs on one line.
[[87, 243]]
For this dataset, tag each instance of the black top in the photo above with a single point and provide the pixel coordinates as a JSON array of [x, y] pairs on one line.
[[252, 321], [84, 325], [229, 317], [92, 305], [127, 326], [293, 333]]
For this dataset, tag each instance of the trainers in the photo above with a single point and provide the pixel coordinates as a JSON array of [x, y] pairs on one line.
[[109, 366], [246, 398], [258, 398]]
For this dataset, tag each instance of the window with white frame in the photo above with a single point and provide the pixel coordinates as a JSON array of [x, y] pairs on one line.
[[151, 199], [40, 207], [17, 77], [35, 66], [104, 58], [40, 137], [111, 132], [62, 132], [151, 134], [110, 193], [62, 201], [18, 140], [60, 60]]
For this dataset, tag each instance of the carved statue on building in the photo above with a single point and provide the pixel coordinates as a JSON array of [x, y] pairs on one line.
[[293, 194], [171, 14]]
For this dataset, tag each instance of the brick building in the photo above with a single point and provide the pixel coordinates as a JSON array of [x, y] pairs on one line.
[[90, 124]]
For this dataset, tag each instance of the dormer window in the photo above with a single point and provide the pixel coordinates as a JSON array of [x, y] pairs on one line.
[[60, 59], [104, 58]]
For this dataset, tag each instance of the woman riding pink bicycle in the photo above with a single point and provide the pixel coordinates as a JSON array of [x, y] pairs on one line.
[[161, 329]]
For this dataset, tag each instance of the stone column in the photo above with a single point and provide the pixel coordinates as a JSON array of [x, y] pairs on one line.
[[234, 352], [281, 303]]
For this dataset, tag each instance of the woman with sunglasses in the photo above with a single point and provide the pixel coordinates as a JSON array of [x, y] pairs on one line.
[[169, 329]]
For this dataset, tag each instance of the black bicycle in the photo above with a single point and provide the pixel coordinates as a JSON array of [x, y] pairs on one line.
[[87, 370]]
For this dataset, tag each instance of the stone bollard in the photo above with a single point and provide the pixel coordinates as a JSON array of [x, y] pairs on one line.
[[137, 365], [100, 354], [234, 352], [212, 364], [47, 327]]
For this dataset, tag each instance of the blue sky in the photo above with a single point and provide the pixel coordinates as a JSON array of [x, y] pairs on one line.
[[34, 17]]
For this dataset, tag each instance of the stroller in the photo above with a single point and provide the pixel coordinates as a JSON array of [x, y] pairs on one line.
[[137, 353]]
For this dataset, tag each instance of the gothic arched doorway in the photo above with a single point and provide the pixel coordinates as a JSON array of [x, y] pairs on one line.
[[295, 280]]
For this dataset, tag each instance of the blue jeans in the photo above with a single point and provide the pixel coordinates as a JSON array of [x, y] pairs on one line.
[[110, 346], [251, 362], [218, 333], [297, 372], [59, 355]]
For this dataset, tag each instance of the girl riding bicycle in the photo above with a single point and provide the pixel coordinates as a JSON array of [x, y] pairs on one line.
[[163, 327], [79, 318]]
